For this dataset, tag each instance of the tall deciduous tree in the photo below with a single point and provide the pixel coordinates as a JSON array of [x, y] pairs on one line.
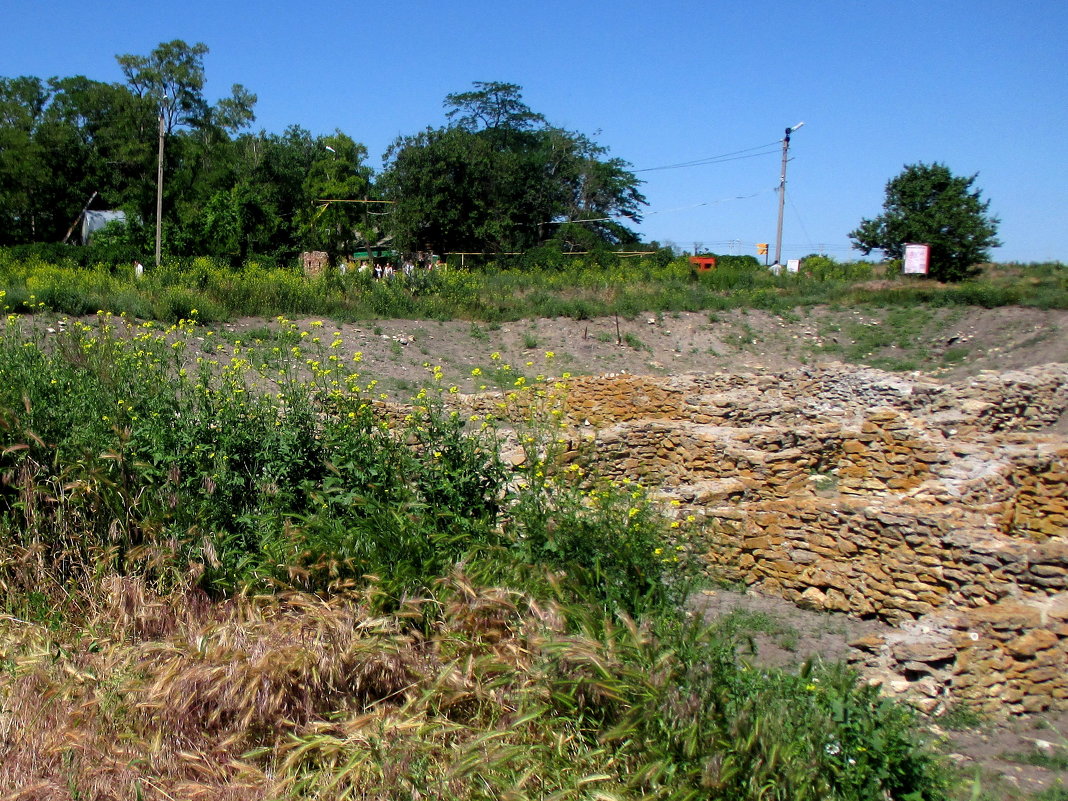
[[103, 138], [595, 191], [492, 106], [500, 178], [337, 175], [927, 204], [172, 76], [271, 175], [60, 141], [23, 168], [200, 156]]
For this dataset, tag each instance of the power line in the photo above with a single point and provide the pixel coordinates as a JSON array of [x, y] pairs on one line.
[[713, 202], [801, 222], [665, 211], [791, 246], [732, 156]]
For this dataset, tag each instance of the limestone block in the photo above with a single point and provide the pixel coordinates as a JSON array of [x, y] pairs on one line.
[[1035, 703], [870, 642], [812, 598], [1012, 695], [924, 650], [837, 601], [1045, 674], [1009, 615]]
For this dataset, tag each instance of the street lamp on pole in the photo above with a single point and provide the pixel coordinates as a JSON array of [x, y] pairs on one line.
[[782, 193]]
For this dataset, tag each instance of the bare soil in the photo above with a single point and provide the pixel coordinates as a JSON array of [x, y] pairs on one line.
[[947, 342]]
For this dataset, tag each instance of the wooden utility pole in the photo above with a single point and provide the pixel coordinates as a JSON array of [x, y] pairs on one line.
[[159, 187]]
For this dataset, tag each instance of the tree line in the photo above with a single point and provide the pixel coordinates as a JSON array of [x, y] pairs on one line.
[[497, 177]]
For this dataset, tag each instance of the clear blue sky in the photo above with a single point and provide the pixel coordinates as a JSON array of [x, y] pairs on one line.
[[981, 86]]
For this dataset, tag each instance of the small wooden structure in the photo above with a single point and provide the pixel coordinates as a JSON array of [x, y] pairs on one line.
[[703, 264]]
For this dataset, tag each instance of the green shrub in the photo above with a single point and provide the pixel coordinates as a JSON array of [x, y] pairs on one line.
[[610, 541], [176, 304], [730, 277], [702, 723], [246, 485], [826, 268]]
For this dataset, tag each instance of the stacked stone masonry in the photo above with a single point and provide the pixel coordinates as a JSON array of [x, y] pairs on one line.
[[939, 507]]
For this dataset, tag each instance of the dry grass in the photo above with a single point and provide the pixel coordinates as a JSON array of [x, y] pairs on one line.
[[259, 697], [464, 693]]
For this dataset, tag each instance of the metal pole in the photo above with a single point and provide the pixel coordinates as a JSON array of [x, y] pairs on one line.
[[159, 190], [782, 197], [782, 192], [74, 224]]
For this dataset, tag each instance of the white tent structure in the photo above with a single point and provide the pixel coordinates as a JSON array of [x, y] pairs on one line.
[[93, 221]]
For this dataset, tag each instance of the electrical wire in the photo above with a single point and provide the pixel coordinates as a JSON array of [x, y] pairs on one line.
[[666, 211], [800, 222], [732, 156], [715, 202]]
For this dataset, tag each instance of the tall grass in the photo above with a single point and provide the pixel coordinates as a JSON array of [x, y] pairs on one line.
[[492, 293], [506, 696], [179, 455]]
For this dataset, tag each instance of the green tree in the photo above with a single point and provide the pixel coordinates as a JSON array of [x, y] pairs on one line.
[[172, 77], [336, 173], [437, 182], [492, 106], [201, 160], [270, 188], [594, 192], [60, 141], [500, 178], [23, 165], [63, 139], [927, 204], [102, 139]]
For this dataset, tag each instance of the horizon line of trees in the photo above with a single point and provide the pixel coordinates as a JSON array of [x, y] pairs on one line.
[[497, 177]]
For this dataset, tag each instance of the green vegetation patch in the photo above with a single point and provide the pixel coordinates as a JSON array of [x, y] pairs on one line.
[[587, 287]]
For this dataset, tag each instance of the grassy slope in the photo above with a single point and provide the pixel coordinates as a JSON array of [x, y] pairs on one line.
[[135, 665]]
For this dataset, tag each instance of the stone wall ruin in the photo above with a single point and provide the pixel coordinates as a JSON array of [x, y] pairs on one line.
[[940, 507]]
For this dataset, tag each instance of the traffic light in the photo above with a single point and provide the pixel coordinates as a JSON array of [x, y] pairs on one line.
[[762, 248]]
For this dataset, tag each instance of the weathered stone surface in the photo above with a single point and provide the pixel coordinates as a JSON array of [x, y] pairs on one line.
[[846, 488], [836, 601], [812, 598], [1009, 616], [872, 642], [1031, 643], [926, 650]]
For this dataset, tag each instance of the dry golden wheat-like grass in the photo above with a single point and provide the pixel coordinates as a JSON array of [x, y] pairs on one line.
[[291, 695]]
